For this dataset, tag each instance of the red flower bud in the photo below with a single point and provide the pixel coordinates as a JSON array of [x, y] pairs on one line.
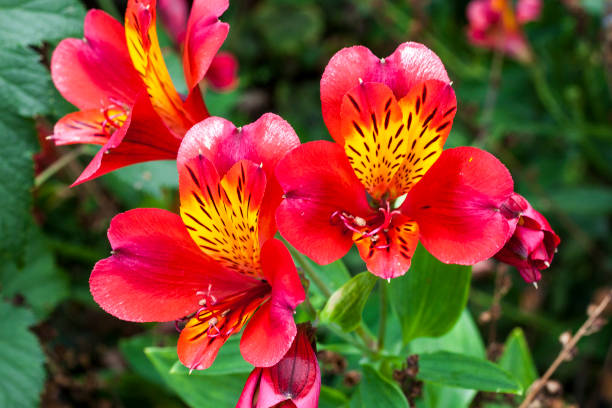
[[532, 246]]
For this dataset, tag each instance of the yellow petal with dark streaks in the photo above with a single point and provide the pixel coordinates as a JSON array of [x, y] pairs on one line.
[[143, 46], [374, 135], [222, 215], [428, 110]]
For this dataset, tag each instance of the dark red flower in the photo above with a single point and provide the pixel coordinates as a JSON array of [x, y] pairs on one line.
[[118, 79], [386, 183], [211, 264], [295, 381], [533, 244]]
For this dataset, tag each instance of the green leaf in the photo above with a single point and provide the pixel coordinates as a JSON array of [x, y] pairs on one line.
[[133, 350], [21, 359], [429, 298], [517, 360], [459, 370], [38, 280], [16, 179], [594, 200], [464, 338], [228, 361], [152, 177], [377, 391], [25, 84], [332, 398], [24, 22], [345, 305], [201, 391]]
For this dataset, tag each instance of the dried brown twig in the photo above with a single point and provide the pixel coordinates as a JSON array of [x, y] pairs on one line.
[[568, 348]]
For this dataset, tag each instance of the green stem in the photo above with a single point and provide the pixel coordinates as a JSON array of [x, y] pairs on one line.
[[58, 165], [491, 96], [309, 271], [368, 340], [309, 308], [544, 92], [382, 328]]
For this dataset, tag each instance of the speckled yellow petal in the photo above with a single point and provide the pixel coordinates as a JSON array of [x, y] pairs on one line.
[[428, 112], [143, 46], [222, 215], [374, 135]]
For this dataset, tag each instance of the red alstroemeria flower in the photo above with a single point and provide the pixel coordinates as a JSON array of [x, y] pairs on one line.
[[118, 79], [390, 118], [295, 381], [209, 263], [493, 24], [533, 244]]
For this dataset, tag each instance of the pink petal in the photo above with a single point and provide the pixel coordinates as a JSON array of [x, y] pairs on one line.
[[174, 14], [457, 205], [271, 330], [205, 34], [223, 72], [156, 269], [318, 181], [251, 386], [528, 10], [409, 64], [97, 71]]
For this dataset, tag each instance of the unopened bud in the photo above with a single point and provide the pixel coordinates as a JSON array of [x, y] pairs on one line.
[[565, 337], [553, 387]]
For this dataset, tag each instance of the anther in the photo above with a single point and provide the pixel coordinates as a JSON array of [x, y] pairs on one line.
[[382, 60], [360, 222]]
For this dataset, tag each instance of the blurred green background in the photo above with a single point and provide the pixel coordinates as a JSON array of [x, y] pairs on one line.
[[550, 124]]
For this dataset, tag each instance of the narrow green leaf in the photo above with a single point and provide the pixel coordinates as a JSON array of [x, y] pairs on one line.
[[24, 22], [464, 338], [429, 298], [38, 279], [377, 391], [459, 370], [133, 350], [21, 359], [228, 361], [151, 177], [517, 360], [345, 305], [198, 391], [16, 179]]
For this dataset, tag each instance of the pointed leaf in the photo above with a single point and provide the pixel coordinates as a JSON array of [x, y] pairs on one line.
[[377, 391], [345, 305], [429, 298], [460, 370], [517, 359]]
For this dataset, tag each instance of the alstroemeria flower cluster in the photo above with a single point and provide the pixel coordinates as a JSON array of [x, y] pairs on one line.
[[118, 79], [385, 184], [494, 24]]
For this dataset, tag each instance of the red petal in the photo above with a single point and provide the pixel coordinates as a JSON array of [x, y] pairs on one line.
[[156, 269], [409, 64], [296, 376], [80, 127], [270, 332], [223, 72], [318, 181], [143, 137], [457, 206], [251, 386], [93, 73], [264, 141], [205, 34], [389, 256]]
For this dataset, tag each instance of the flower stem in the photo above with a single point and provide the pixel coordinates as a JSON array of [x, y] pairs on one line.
[[58, 165], [382, 328], [366, 337], [488, 108], [309, 271]]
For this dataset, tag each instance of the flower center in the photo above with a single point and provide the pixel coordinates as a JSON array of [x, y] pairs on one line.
[[115, 116], [223, 317], [372, 227]]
